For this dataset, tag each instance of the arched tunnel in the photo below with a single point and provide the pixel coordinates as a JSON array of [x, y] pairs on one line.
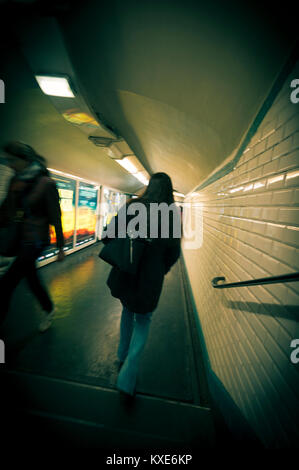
[[109, 94]]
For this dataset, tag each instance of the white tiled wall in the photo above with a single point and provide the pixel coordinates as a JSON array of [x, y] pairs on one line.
[[251, 230]]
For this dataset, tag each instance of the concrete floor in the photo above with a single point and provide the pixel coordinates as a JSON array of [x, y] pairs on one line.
[[68, 374], [82, 343]]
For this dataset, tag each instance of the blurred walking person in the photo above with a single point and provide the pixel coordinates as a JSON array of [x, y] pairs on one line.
[[33, 194], [139, 293]]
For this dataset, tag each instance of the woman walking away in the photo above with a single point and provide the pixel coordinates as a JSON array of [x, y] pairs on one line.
[[139, 293], [33, 194]]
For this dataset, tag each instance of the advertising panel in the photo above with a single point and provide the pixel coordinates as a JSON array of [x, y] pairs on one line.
[[86, 213]]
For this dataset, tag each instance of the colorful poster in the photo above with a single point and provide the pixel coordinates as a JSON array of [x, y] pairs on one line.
[[86, 213], [67, 193]]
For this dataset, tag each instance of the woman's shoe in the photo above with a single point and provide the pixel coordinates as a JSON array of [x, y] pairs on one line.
[[46, 322]]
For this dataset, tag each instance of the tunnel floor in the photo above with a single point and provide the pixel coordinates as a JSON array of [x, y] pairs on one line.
[[81, 345]]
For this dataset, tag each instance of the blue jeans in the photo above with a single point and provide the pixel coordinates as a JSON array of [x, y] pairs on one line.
[[134, 329]]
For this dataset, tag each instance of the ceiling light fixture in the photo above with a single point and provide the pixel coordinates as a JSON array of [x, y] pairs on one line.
[[55, 86], [141, 177], [73, 176], [127, 165]]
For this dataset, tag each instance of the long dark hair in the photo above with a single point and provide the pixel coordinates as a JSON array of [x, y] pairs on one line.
[[159, 189]]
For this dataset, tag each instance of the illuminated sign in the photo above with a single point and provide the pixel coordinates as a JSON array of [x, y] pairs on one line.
[[86, 213], [80, 118]]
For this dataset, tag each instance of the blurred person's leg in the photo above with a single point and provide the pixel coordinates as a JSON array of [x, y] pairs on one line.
[[10, 280], [36, 286], [23, 266], [126, 329], [127, 377]]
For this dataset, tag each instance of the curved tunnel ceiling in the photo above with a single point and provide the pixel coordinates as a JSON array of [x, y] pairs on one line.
[[181, 81]]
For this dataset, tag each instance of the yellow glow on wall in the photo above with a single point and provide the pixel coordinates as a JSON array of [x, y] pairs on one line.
[[79, 118]]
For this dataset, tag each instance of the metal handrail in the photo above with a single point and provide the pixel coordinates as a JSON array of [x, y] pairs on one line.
[[292, 277]]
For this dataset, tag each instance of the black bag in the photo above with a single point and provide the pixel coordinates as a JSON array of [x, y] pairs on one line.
[[10, 237], [124, 253]]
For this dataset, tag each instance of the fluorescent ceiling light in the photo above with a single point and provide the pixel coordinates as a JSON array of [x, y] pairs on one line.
[[73, 176], [141, 177], [178, 194], [127, 165], [55, 86]]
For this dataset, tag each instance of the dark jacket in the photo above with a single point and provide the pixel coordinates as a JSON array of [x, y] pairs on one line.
[[38, 198], [140, 293]]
